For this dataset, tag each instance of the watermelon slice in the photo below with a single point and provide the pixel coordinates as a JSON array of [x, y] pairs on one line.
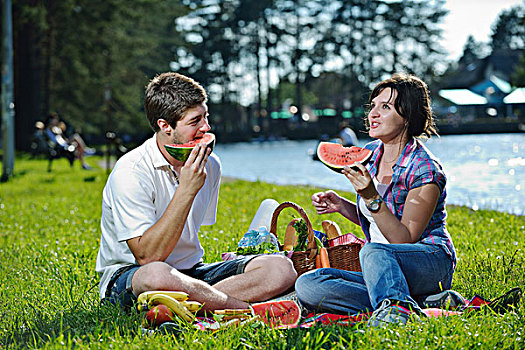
[[336, 157], [182, 151], [278, 314], [275, 314]]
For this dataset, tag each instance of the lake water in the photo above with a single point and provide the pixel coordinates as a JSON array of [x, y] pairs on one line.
[[484, 171]]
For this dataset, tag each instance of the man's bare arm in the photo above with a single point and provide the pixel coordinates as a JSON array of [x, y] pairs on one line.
[[159, 240]]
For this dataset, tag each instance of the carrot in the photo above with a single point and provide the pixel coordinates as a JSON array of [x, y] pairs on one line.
[[323, 257]]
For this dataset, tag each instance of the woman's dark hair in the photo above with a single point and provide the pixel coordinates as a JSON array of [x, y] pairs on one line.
[[412, 103], [169, 96]]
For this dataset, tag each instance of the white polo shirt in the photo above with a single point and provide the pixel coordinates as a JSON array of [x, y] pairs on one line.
[[137, 193]]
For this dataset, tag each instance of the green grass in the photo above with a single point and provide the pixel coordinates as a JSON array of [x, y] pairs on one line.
[[49, 237]]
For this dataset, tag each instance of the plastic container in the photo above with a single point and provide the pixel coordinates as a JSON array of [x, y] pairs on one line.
[[263, 216]]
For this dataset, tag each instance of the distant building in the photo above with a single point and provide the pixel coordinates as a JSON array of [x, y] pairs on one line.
[[480, 90]]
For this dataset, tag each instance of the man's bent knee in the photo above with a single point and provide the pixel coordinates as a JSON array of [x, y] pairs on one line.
[[154, 276], [279, 269]]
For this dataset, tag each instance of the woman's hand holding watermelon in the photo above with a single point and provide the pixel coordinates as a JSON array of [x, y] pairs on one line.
[[193, 172], [412, 218], [362, 181]]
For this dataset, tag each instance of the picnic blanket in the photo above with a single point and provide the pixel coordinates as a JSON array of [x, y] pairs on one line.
[[272, 313], [500, 305]]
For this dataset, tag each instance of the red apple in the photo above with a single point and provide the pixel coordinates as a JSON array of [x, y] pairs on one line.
[[158, 314]]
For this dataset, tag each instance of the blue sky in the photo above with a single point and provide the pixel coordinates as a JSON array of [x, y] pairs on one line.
[[471, 17]]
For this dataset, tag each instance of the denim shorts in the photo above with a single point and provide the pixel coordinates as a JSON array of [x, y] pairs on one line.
[[120, 292]]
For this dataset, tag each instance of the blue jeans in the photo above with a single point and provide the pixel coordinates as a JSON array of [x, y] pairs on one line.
[[402, 272]]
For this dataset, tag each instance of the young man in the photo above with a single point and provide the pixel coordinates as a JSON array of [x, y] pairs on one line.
[[154, 205]]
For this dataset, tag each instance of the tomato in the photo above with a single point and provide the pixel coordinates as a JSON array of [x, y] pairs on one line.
[[158, 314]]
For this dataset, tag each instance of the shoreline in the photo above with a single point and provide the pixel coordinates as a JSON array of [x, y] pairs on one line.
[[229, 179]]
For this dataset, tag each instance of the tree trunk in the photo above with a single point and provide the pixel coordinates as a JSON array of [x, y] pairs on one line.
[[28, 84]]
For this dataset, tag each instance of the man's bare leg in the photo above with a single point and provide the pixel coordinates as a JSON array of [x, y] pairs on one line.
[[264, 277], [161, 276]]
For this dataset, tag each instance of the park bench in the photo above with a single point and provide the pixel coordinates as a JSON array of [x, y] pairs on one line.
[[41, 145]]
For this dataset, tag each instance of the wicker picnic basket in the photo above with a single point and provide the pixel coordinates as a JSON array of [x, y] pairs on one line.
[[343, 257]]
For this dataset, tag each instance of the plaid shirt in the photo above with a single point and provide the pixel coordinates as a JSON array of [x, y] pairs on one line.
[[415, 167]]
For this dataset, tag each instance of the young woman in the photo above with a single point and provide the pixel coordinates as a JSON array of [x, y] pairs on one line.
[[401, 209]]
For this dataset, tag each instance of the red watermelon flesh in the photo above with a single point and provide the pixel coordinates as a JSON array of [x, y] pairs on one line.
[[182, 151], [278, 314], [336, 157]]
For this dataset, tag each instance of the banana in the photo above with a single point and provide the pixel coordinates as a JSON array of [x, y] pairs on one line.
[[143, 298], [192, 306], [173, 304]]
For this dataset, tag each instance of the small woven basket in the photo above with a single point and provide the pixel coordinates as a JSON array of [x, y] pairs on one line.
[[343, 257]]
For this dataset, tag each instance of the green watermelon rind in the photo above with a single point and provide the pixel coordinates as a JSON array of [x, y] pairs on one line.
[[179, 153], [337, 168], [182, 153]]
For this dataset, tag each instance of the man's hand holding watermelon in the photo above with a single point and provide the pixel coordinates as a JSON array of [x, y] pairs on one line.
[[193, 172]]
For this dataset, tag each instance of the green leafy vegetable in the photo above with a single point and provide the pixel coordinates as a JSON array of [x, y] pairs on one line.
[[302, 235], [263, 248], [318, 242]]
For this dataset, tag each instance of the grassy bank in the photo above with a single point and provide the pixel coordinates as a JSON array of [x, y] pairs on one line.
[[49, 237]]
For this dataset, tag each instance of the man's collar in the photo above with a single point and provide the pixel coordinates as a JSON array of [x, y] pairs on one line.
[[156, 155]]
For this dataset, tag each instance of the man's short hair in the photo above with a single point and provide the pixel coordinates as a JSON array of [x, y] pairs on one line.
[[169, 96]]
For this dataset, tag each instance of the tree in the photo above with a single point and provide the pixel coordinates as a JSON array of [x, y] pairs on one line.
[[29, 26], [508, 31], [518, 79], [409, 36], [473, 51], [350, 44], [68, 51], [113, 44]]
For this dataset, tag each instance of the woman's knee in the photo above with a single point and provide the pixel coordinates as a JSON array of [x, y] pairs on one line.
[[308, 288], [306, 281], [370, 250]]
